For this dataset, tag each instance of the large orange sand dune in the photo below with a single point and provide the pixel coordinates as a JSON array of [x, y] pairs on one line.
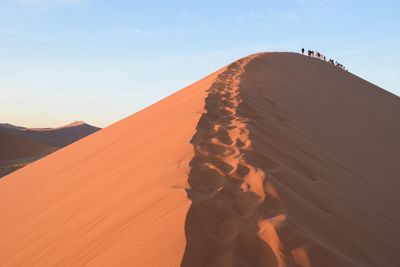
[[275, 160]]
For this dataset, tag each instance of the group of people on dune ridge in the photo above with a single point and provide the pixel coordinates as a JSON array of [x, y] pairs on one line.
[[315, 54]]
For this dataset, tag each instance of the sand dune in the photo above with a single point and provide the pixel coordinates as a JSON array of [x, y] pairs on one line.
[[111, 199], [56, 137], [17, 151], [14, 147], [21, 146], [295, 166], [274, 160]]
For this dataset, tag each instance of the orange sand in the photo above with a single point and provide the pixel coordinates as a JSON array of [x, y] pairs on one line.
[[111, 199], [275, 160]]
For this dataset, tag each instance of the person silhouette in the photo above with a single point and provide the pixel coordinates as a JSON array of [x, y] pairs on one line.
[[302, 51]]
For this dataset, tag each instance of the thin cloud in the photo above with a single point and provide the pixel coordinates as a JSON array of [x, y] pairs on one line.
[[314, 3], [257, 16], [270, 15], [43, 4], [127, 30]]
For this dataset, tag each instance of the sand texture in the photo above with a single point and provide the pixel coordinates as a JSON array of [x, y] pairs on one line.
[[275, 160]]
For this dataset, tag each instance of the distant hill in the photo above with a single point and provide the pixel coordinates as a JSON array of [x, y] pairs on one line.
[[56, 137], [10, 127], [15, 147], [21, 146], [17, 151]]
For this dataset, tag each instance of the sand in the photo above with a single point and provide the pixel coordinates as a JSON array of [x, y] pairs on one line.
[[111, 199], [275, 160]]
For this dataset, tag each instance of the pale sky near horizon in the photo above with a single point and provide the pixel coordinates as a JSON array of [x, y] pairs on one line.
[[100, 61]]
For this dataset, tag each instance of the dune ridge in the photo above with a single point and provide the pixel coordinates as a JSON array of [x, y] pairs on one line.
[[235, 212], [286, 165]]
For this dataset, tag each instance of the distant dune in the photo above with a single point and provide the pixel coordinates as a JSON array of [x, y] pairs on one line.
[[20, 145], [57, 137], [14, 147], [17, 151], [275, 160]]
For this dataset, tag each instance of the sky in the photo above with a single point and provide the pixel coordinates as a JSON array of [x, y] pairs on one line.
[[100, 61]]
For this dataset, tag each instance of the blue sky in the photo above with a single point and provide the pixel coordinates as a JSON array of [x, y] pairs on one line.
[[100, 60]]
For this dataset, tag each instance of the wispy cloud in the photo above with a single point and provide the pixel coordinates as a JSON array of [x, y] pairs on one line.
[[257, 16], [129, 31], [314, 3], [42, 4], [270, 16]]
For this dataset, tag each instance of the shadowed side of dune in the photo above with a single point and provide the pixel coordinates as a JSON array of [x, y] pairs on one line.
[[16, 147], [294, 166], [18, 151], [328, 141]]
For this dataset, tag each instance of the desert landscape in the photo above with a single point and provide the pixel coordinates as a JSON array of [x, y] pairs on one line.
[[277, 159], [21, 146], [199, 133]]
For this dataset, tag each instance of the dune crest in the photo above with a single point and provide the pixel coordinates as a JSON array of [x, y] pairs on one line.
[[278, 136], [233, 219]]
